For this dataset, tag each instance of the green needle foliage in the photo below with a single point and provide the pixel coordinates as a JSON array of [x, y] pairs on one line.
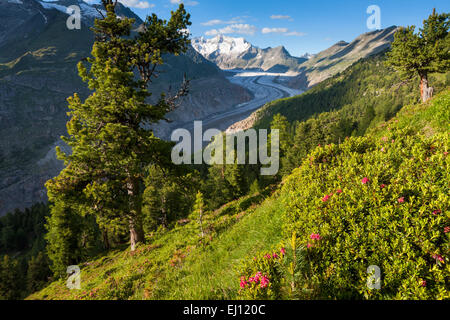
[[422, 53], [198, 211], [108, 132]]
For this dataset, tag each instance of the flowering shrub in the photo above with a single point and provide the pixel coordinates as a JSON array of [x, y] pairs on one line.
[[261, 276], [386, 204]]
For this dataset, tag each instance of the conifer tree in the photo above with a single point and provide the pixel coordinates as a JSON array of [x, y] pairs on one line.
[[217, 188], [235, 176], [168, 196], [38, 272], [111, 145], [198, 211], [424, 52], [281, 123], [10, 282]]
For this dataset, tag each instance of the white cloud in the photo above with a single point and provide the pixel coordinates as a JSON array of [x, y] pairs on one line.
[[245, 29], [281, 17], [213, 22], [274, 30], [137, 4], [284, 31], [187, 3], [216, 22], [295, 34]]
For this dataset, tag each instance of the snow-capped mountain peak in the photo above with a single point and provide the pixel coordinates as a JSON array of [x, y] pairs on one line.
[[238, 53], [221, 45]]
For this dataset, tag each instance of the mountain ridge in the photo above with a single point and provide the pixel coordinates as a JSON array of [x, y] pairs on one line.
[[237, 53], [340, 56]]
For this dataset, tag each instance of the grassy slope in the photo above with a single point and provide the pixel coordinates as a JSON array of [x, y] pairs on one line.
[[177, 266]]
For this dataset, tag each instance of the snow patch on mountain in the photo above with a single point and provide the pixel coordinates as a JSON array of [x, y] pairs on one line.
[[308, 56], [87, 11], [91, 11], [50, 6]]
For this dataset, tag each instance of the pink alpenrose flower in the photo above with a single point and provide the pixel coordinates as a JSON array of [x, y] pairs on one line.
[[438, 257], [264, 282], [243, 283], [315, 236]]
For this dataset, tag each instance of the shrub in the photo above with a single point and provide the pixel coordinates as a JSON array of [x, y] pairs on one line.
[[261, 277], [370, 201]]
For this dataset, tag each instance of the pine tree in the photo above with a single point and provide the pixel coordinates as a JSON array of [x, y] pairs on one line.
[[217, 188], [281, 123], [198, 211], [168, 196], [64, 226], [235, 176], [111, 145], [254, 187], [424, 52], [10, 283], [38, 272]]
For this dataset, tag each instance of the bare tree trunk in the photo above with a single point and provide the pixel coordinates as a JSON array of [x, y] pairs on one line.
[[426, 92], [135, 224], [136, 234], [136, 231], [106, 240]]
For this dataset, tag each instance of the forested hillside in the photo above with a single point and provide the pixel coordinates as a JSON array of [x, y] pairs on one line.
[[398, 170], [24, 265]]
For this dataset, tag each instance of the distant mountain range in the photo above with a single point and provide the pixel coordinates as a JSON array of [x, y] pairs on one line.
[[237, 53]]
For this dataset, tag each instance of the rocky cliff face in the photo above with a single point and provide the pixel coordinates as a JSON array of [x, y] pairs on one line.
[[38, 57], [237, 53]]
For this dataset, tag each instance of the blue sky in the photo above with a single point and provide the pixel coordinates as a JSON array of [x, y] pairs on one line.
[[301, 26]]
